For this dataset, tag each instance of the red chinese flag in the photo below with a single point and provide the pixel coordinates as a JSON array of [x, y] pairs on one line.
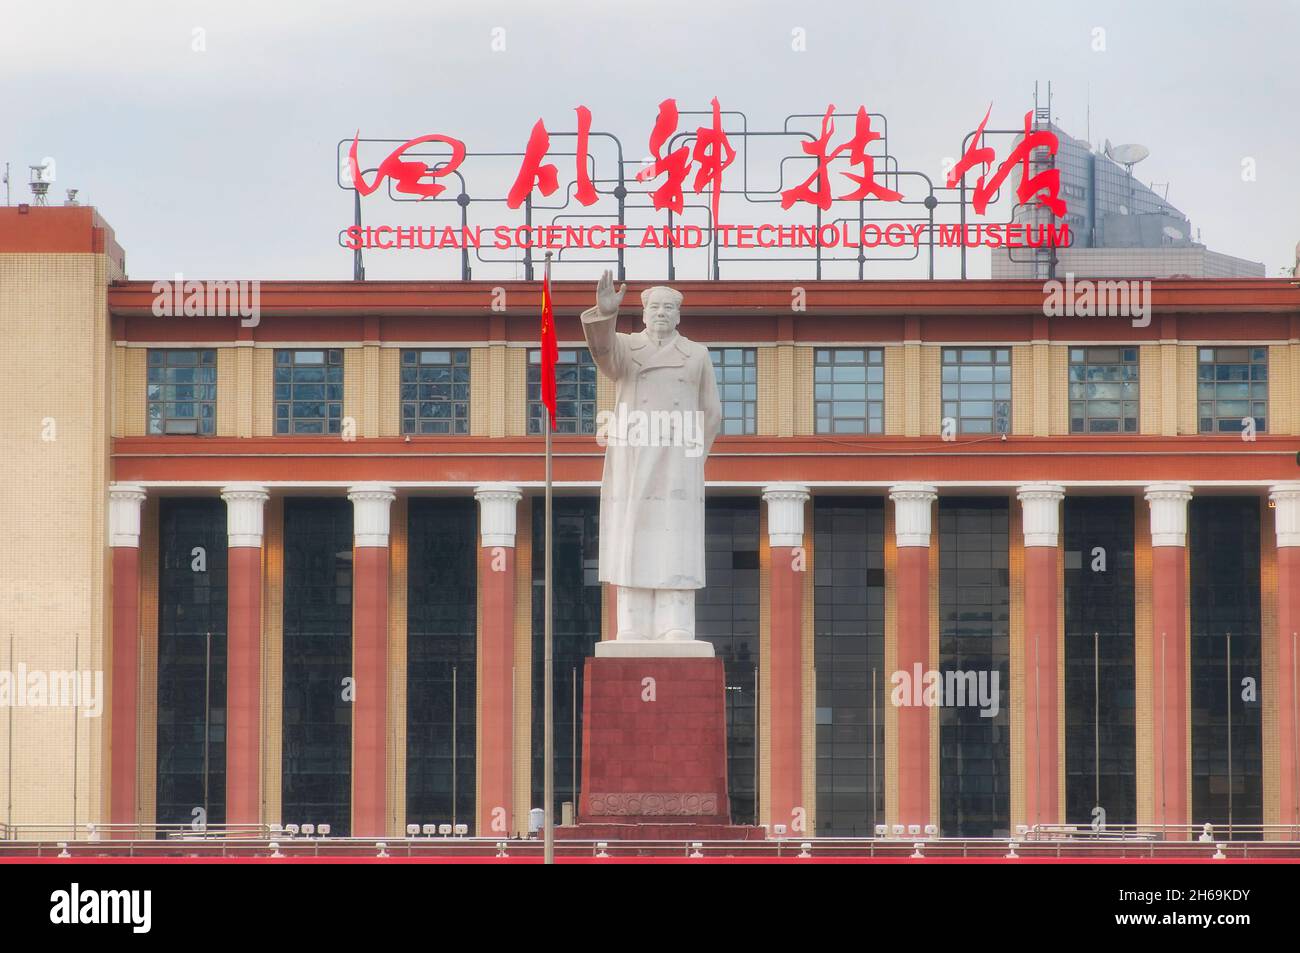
[[550, 350]]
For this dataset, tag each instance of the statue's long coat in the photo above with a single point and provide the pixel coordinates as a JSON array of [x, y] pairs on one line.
[[652, 498]]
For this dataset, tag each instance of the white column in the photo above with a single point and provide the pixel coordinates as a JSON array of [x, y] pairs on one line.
[[1169, 513], [912, 506], [245, 503], [1286, 513], [1042, 512], [497, 507], [370, 510], [785, 506], [124, 503]]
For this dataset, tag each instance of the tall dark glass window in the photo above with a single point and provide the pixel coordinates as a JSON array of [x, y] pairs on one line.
[[1100, 732], [575, 593], [191, 661], [1227, 771], [441, 651], [849, 633], [726, 614], [974, 636], [317, 758]]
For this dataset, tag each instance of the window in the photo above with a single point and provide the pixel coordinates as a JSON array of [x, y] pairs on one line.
[[575, 392], [977, 389], [1103, 390], [849, 390], [308, 391], [849, 654], [737, 373], [182, 391], [441, 659], [1231, 385], [435, 392], [974, 637]]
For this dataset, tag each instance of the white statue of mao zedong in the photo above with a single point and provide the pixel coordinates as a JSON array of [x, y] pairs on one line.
[[666, 414]]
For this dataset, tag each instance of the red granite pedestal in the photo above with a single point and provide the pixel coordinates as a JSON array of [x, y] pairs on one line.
[[654, 752]]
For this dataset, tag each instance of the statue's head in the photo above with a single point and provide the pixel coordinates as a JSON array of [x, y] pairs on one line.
[[661, 309]]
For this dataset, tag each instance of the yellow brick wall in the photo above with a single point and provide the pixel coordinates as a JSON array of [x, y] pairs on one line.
[[1281, 397], [54, 569], [262, 411], [769, 391], [480, 391], [370, 392], [1059, 390], [133, 391], [1169, 374], [397, 583], [516, 391], [1150, 389], [390, 393], [931, 393], [354, 387], [1187, 420], [1022, 389], [227, 392], [896, 389], [803, 409], [1042, 358], [247, 393]]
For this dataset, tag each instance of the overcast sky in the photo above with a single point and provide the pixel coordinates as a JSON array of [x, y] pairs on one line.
[[220, 162]]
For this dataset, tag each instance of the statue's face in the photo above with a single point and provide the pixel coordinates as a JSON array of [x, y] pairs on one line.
[[661, 312]]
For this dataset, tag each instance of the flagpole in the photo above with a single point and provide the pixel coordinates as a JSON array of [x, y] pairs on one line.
[[548, 744]]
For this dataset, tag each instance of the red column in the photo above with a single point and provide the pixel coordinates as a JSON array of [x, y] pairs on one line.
[[124, 502], [371, 504], [244, 508], [1171, 711], [785, 506], [1286, 502], [1041, 503], [912, 512], [496, 583]]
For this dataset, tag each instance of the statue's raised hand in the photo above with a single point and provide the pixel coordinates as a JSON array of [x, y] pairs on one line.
[[607, 299]]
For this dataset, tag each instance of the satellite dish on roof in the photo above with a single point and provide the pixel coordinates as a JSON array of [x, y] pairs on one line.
[[1174, 233], [1129, 154]]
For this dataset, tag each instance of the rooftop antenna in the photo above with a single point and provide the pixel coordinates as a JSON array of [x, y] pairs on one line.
[[41, 180], [6, 183]]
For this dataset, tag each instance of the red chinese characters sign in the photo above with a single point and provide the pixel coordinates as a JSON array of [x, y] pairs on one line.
[[670, 166]]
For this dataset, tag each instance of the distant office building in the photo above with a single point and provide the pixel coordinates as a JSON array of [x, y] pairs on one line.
[[1121, 228]]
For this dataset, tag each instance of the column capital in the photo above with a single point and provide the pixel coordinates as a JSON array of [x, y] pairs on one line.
[[245, 503], [785, 503], [1169, 513], [497, 507], [124, 503], [370, 510], [1042, 512], [1285, 498], [912, 504]]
